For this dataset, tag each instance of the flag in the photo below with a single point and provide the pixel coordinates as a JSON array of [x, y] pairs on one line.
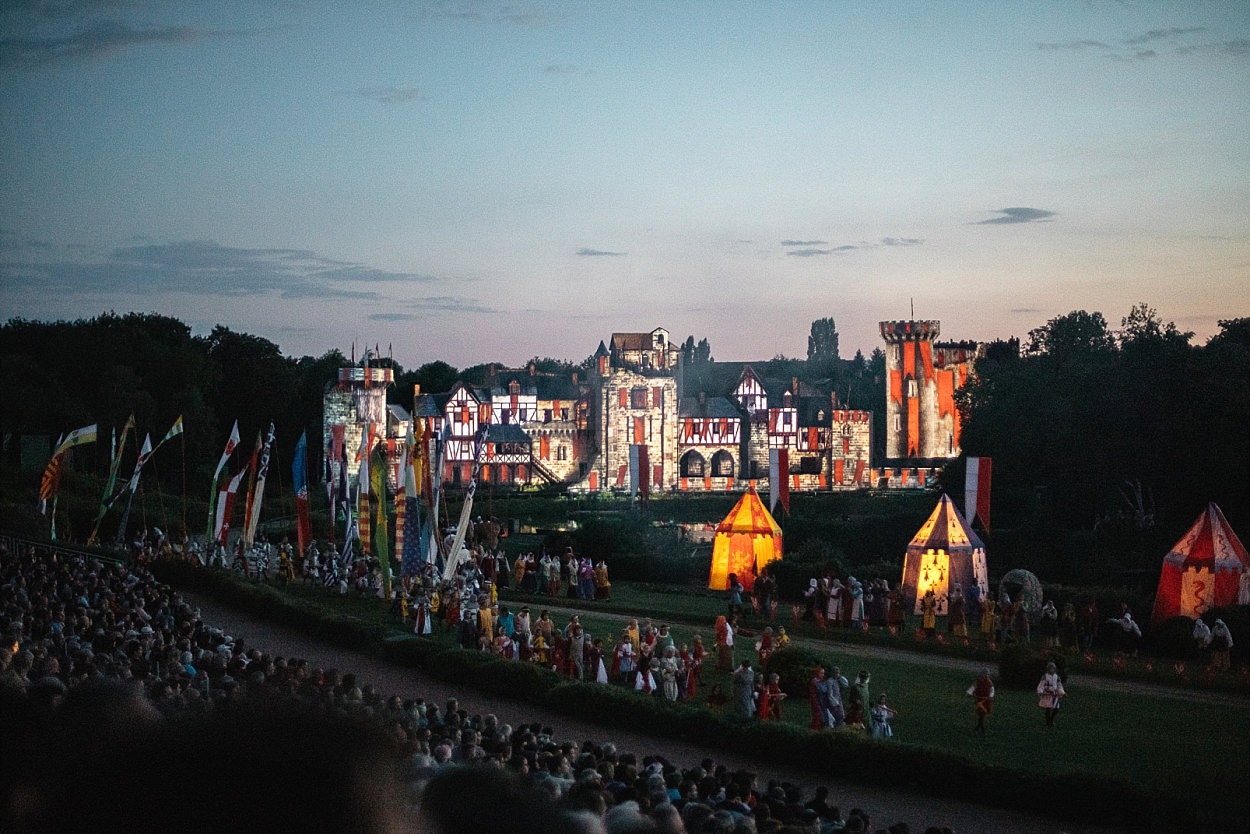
[[225, 506], [262, 472], [52, 475], [299, 478], [145, 452], [411, 554], [977, 490], [252, 464], [363, 508], [106, 500], [381, 535], [231, 443], [635, 469], [174, 431], [779, 479], [77, 437], [644, 472]]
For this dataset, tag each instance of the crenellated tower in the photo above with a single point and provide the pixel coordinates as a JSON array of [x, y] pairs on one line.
[[922, 376]]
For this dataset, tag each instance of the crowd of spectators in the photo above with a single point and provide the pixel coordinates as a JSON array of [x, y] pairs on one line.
[[124, 710]]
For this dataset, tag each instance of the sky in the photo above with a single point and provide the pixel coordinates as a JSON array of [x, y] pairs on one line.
[[482, 181]]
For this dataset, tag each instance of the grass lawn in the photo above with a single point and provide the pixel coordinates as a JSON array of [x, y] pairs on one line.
[[1167, 744]]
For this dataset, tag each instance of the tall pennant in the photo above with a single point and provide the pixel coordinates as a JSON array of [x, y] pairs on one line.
[[231, 443], [977, 490], [299, 478]]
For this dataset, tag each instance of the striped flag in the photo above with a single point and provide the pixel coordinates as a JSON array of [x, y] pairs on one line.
[[174, 431], [977, 491], [77, 437]]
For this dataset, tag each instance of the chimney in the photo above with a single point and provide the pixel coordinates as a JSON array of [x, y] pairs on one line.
[[702, 399], [575, 377], [533, 369], [416, 392], [794, 385]]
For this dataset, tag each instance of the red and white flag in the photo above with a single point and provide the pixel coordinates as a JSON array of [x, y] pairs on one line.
[[231, 444], [225, 504], [977, 490]]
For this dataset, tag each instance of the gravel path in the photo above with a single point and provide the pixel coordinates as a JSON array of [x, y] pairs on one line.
[[886, 806]]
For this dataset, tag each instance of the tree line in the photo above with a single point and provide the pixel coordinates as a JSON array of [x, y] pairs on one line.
[[1103, 440]]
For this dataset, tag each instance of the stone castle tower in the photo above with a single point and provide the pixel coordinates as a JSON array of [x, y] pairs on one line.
[[922, 376], [352, 404]]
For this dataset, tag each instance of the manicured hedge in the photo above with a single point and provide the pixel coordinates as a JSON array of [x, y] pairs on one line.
[[840, 754], [1021, 666]]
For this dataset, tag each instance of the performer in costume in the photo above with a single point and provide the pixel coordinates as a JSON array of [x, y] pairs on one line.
[[982, 692], [1050, 690]]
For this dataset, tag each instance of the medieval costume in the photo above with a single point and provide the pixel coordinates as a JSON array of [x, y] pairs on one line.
[[1049, 691], [982, 692]]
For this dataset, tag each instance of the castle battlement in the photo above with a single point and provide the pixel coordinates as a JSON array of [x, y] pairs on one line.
[[896, 332]]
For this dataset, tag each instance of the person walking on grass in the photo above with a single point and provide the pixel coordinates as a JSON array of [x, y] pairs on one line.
[[1050, 691], [982, 692]]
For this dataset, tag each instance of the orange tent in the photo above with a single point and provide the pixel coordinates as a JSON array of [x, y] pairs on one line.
[[1207, 568], [747, 540]]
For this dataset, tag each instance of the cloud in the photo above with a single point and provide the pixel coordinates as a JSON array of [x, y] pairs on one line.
[[1020, 214], [598, 253], [1073, 46], [804, 243], [205, 268], [1029, 310], [99, 40], [486, 11], [1239, 47], [1163, 34], [421, 308], [901, 241], [809, 253], [386, 95]]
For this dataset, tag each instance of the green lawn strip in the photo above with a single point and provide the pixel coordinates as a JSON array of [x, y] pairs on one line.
[[696, 607], [1103, 738]]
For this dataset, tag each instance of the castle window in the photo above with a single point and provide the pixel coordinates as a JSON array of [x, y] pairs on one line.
[[722, 465], [638, 397], [692, 465], [809, 465], [911, 387]]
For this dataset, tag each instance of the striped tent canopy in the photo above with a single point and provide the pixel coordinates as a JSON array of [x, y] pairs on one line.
[[746, 541], [1207, 568], [943, 553]]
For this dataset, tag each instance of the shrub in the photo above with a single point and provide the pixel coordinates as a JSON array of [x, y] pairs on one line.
[[795, 667], [1021, 665], [1173, 639]]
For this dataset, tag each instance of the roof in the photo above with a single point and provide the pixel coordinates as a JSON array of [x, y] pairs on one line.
[[506, 433], [946, 530], [1211, 544], [631, 341], [398, 412], [711, 407], [750, 516], [430, 405]]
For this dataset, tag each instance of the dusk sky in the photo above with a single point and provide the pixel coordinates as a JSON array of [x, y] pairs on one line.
[[479, 181]]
